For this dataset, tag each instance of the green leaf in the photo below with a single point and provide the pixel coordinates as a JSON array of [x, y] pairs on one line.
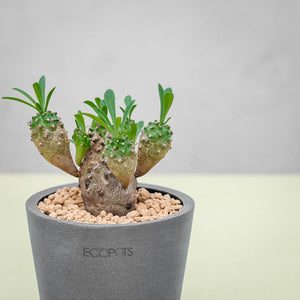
[[38, 93], [78, 125], [42, 83], [109, 98], [104, 117], [132, 131], [98, 101], [48, 98], [41, 104], [22, 101], [132, 109], [168, 90], [161, 97], [80, 121], [161, 92], [140, 126], [103, 106], [91, 104], [25, 94], [127, 99], [97, 119], [126, 112], [100, 121], [38, 106], [165, 122], [102, 114], [167, 102], [118, 124]]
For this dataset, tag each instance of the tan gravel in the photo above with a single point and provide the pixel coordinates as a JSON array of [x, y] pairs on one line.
[[67, 204]]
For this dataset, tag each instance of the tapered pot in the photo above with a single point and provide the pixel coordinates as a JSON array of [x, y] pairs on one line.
[[79, 261]]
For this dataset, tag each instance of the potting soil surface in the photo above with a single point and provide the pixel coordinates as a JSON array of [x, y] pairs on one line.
[[67, 204]]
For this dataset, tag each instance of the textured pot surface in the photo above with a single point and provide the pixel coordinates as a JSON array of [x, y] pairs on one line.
[[79, 261]]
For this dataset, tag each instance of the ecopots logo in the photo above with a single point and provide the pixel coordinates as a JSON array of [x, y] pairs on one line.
[[107, 252]]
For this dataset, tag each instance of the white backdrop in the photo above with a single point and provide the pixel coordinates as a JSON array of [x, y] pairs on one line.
[[233, 65]]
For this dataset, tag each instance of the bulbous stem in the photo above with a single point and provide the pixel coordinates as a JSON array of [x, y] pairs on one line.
[[54, 146], [100, 189]]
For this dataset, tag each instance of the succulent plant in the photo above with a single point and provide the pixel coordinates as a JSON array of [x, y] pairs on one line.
[[106, 151], [155, 140], [47, 131]]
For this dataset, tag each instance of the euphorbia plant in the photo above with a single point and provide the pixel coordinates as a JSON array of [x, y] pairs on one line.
[[110, 154]]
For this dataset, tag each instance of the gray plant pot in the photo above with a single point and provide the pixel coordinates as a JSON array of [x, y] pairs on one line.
[[137, 261]]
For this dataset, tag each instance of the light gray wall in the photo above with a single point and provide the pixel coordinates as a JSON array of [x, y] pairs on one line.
[[234, 67]]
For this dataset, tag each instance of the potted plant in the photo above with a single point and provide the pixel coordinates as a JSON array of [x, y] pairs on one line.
[[141, 257]]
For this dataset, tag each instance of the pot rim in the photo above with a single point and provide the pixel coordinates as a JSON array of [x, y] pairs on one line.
[[187, 202]]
